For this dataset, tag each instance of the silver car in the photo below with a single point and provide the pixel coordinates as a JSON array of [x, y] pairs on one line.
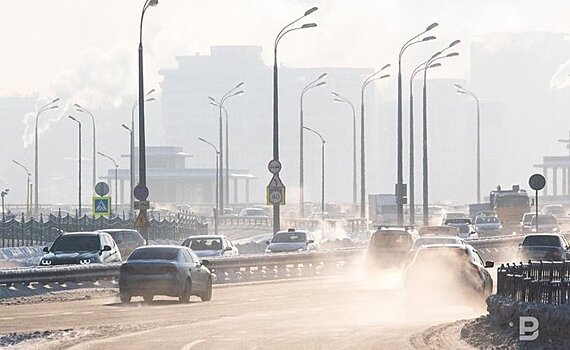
[[211, 246], [292, 241]]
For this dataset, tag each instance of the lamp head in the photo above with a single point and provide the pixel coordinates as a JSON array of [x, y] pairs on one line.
[[385, 66], [322, 76], [239, 85], [55, 100], [457, 86], [77, 105], [321, 83], [150, 99], [428, 38], [431, 26], [151, 91], [334, 93], [384, 76], [54, 107], [308, 25], [434, 65], [338, 100], [238, 93], [70, 117], [153, 3], [455, 42], [311, 10], [452, 54]]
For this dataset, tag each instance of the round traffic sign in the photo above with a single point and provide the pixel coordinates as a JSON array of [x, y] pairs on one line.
[[274, 166], [102, 189], [537, 182], [275, 197], [141, 192]]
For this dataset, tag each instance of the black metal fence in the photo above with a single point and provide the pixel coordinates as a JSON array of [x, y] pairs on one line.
[[16, 232], [539, 282]]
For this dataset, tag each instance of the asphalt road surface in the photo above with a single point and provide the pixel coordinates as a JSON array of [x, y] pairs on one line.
[[331, 313]]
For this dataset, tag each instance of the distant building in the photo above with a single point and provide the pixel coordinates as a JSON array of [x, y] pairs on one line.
[[170, 181], [188, 115]]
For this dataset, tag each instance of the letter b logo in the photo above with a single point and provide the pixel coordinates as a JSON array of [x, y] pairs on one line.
[[528, 328]]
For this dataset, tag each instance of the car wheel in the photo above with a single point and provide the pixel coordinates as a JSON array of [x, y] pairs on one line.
[[148, 298], [185, 296], [125, 297], [207, 296]]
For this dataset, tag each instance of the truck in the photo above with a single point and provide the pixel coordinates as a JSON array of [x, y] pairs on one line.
[[382, 209]]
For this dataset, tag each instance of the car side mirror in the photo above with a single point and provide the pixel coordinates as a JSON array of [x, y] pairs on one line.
[[228, 249], [205, 262], [472, 233], [107, 248], [267, 242], [310, 241], [46, 250], [489, 264]]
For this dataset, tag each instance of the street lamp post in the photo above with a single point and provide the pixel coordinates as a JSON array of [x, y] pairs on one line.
[[36, 172], [142, 143], [340, 99], [400, 181], [116, 170], [79, 181], [94, 147], [28, 186], [322, 169], [132, 147], [313, 84], [131, 168], [429, 64], [217, 184], [367, 81], [280, 35], [462, 90], [224, 184]]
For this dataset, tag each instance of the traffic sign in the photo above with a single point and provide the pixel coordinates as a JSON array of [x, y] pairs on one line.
[[275, 192], [274, 166], [142, 221], [101, 206], [537, 182], [102, 189], [141, 192]]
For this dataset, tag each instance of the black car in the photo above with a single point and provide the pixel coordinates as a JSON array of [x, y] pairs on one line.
[[81, 248], [543, 246], [389, 247], [165, 270], [127, 240]]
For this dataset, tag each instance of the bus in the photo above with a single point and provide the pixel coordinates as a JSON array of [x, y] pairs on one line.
[[510, 206]]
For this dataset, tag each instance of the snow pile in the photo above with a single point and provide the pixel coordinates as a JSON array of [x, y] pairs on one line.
[[20, 256]]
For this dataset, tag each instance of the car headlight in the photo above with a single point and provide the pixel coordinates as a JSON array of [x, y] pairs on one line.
[[267, 250], [85, 261], [45, 262], [555, 229]]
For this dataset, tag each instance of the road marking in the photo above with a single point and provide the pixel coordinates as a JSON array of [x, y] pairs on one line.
[[191, 345], [6, 318]]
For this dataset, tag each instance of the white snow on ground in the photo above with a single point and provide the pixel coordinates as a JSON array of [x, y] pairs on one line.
[[20, 256]]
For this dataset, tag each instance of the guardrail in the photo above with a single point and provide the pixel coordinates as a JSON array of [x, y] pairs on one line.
[[540, 282], [349, 224], [225, 270]]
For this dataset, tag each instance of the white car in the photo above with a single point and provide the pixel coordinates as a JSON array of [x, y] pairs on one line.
[[208, 246]]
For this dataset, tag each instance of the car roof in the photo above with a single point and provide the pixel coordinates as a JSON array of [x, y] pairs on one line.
[[206, 236], [293, 231], [543, 234], [88, 233], [445, 246], [162, 246], [111, 230]]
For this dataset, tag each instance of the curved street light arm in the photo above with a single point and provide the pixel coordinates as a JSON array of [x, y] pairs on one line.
[[315, 132], [209, 143], [108, 157]]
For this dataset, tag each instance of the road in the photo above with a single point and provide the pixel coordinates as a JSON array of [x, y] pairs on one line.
[[339, 312]]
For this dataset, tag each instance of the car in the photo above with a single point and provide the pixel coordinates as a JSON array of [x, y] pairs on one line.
[[543, 246], [450, 272], [546, 223], [81, 248], [455, 215], [127, 240], [524, 226], [389, 247], [488, 225], [174, 271], [211, 246], [437, 240], [253, 212], [464, 226], [554, 209], [292, 240], [448, 231]]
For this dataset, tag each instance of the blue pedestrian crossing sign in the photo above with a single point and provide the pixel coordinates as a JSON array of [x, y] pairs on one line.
[[102, 206]]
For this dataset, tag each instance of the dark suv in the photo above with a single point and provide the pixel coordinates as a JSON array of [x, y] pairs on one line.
[[81, 248], [390, 246]]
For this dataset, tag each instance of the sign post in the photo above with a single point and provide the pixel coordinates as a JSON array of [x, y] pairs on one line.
[[275, 192], [537, 183]]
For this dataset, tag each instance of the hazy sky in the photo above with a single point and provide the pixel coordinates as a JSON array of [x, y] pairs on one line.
[[47, 43], [85, 51]]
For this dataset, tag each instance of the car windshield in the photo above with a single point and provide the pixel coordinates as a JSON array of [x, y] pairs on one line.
[[545, 241], [204, 243], [154, 253], [487, 220], [294, 237], [544, 220], [528, 218], [76, 243], [434, 240], [463, 228]]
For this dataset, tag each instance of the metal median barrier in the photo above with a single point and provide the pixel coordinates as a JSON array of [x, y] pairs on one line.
[[539, 282]]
